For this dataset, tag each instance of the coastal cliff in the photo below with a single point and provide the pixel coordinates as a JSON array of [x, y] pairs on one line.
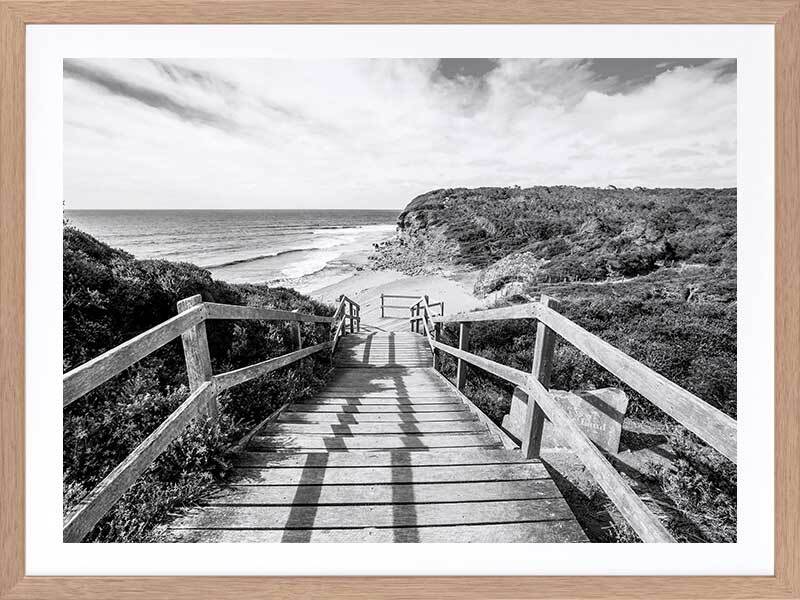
[[520, 239]]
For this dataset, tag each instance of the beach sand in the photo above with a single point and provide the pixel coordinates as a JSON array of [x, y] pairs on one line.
[[366, 287]]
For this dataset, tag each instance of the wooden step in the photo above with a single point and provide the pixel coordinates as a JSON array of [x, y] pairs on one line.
[[387, 493], [376, 408], [382, 400], [286, 443], [461, 457], [354, 418], [566, 531], [360, 516], [344, 429]]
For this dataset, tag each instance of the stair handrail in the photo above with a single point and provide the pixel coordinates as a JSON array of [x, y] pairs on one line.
[[710, 424], [204, 387]]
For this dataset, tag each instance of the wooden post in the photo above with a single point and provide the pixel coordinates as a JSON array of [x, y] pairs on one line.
[[463, 344], [383, 316], [542, 367], [412, 319], [441, 312], [358, 316], [436, 335], [352, 314], [198, 357]]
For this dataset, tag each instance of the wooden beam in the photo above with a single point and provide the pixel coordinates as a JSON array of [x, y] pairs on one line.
[[196, 353], [644, 523], [519, 311], [463, 344], [96, 504], [542, 367], [85, 378], [712, 425], [224, 381], [230, 311]]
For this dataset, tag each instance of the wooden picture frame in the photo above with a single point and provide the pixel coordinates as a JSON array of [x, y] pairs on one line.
[[16, 14]]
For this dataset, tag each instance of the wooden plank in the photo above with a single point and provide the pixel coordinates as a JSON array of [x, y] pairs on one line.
[[400, 417], [518, 311], [395, 515], [644, 523], [421, 365], [711, 425], [85, 378], [567, 531], [231, 378], [420, 408], [386, 392], [196, 353], [501, 464], [543, 350], [378, 400], [345, 429], [231, 311], [283, 443], [387, 493], [400, 296], [91, 509]]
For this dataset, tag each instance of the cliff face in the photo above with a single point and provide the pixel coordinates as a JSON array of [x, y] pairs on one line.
[[520, 237]]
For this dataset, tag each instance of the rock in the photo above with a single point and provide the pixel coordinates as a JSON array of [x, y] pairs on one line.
[[599, 413]]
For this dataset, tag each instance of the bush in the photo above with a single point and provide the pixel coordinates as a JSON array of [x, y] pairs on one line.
[[109, 297]]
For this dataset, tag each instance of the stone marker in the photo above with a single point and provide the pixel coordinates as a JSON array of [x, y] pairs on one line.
[[599, 414]]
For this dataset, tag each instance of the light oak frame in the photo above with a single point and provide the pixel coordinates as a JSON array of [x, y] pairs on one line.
[[783, 14]]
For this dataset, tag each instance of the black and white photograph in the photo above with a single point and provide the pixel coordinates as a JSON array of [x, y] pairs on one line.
[[400, 300]]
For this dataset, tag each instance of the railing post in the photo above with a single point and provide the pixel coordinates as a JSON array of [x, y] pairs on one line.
[[463, 344], [352, 314], [542, 367], [412, 319], [436, 335], [383, 316], [358, 316], [197, 355]]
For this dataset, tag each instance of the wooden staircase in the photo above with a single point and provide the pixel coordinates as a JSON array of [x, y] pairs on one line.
[[389, 451]]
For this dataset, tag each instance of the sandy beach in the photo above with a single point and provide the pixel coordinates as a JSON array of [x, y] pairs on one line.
[[366, 287]]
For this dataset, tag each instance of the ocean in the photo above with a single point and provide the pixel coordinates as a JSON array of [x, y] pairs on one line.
[[303, 249]]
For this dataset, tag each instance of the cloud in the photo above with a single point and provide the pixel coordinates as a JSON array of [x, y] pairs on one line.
[[151, 97], [373, 133]]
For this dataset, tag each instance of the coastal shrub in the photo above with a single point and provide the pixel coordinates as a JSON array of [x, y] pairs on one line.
[[109, 297]]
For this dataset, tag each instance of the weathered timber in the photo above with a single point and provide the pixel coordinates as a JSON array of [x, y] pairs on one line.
[[85, 378], [231, 311], [397, 515], [644, 523], [520, 311], [283, 443], [711, 425], [231, 378], [542, 367], [196, 353], [97, 502], [567, 531], [386, 493]]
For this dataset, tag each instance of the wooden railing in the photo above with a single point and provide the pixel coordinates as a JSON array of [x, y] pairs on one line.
[[713, 426], [204, 386], [403, 307]]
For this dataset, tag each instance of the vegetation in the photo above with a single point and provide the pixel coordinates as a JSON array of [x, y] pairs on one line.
[[653, 272], [110, 297]]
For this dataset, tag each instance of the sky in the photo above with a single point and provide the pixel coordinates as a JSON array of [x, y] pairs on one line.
[[375, 133]]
